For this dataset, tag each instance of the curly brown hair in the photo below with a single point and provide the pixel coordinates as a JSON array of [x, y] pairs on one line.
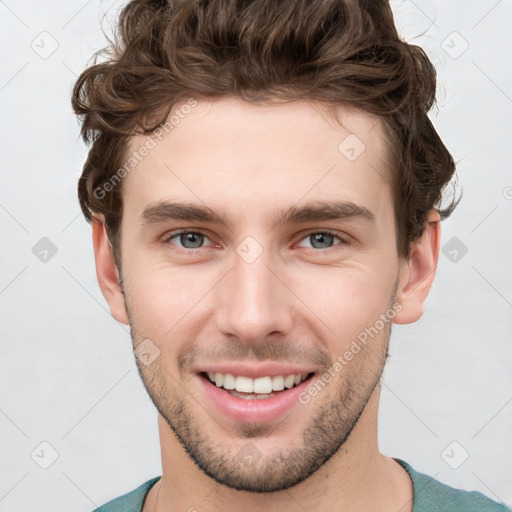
[[337, 52]]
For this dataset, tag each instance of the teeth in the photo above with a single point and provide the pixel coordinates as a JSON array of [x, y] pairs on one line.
[[260, 386], [263, 385], [229, 381], [278, 383], [289, 381], [244, 384]]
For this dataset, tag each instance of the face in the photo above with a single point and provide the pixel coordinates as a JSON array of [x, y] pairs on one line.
[[258, 243]]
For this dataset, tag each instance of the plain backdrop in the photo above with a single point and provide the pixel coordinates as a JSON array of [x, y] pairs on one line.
[[68, 378]]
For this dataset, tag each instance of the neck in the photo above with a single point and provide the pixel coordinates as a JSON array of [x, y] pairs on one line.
[[358, 477]]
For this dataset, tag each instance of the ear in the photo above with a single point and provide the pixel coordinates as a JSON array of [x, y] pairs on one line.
[[417, 272], [106, 271]]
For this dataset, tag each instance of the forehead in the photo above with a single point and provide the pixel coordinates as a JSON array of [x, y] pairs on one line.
[[236, 155]]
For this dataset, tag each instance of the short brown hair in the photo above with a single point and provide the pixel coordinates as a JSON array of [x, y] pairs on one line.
[[334, 51]]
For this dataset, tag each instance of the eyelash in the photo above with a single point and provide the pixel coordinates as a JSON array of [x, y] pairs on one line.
[[174, 234]]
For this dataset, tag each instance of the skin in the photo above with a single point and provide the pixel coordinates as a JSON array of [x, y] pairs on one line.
[[297, 302]]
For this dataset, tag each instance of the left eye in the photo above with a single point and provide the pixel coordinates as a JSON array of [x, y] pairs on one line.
[[189, 239], [321, 239]]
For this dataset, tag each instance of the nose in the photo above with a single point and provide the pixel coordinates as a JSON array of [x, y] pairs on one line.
[[254, 301]]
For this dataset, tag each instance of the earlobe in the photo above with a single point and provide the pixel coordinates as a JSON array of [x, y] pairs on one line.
[[107, 272], [417, 272]]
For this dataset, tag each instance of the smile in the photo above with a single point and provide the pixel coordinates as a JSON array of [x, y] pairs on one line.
[[253, 400], [259, 388]]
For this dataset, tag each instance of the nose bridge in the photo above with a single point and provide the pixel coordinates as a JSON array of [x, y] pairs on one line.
[[253, 301]]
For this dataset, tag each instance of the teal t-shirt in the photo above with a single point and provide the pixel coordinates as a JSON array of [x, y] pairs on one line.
[[430, 495]]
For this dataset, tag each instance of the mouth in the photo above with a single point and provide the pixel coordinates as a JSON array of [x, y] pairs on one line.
[[253, 400], [261, 388]]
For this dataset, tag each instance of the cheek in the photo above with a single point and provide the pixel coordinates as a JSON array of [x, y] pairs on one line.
[[348, 299], [164, 298]]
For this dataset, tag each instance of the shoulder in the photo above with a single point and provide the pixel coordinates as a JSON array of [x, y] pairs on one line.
[[430, 495], [131, 502]]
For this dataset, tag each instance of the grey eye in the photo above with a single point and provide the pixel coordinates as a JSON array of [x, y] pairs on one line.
[[321, 240], [191, 240], [188, 240]]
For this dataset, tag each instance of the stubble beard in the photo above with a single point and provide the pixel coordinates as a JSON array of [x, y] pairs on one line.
[[328, 429]]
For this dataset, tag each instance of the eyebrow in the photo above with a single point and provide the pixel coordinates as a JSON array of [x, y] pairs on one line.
[[310, 212]]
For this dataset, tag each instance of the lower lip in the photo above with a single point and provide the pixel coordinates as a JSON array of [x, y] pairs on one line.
[[252, 411]]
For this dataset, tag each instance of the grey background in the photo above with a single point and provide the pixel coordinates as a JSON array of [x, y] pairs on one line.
[[68, 376]]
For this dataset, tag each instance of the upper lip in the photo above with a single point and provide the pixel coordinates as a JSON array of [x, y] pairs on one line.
[[254, 370]]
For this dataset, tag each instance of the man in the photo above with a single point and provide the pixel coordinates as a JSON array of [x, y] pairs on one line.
[[264, 187]]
